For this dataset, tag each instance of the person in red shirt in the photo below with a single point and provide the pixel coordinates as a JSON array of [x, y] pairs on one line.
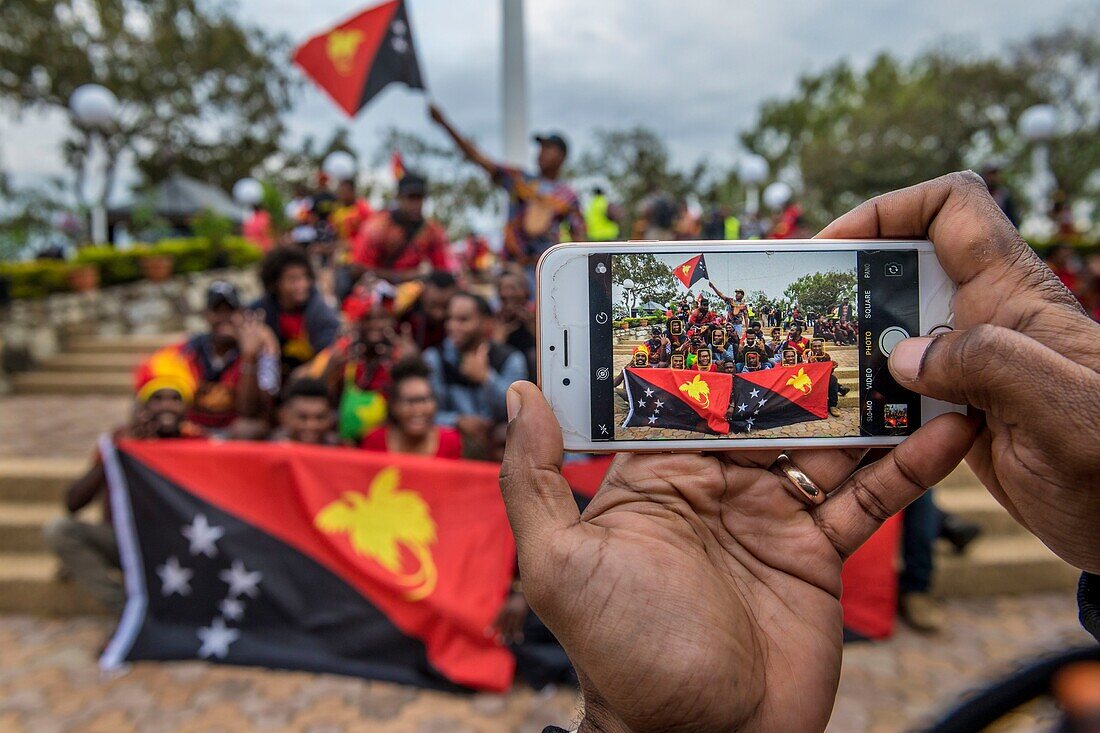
[[399, 242], [796, 341], [410, 422]]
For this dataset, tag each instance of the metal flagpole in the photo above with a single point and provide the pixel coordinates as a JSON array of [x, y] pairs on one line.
[[514, 76]]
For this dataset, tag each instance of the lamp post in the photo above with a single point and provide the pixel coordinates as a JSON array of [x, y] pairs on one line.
[[752, 170], [1038, 125], [95, 110]]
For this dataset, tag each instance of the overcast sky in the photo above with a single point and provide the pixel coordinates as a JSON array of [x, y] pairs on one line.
[[694, 70]]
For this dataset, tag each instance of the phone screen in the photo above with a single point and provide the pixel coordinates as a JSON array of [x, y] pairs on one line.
[[751, 345]]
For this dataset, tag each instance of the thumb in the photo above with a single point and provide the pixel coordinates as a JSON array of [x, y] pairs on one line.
[[537, 497], [984, 367]]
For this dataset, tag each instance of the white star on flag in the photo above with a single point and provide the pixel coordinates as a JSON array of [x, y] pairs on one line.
[[216, 639], [763, 401], [399, 27], [399, 44], [174, 579], [652, 419], [232, 608], [742, 407], [641, 403], [202, 536], [748, 424], [648, 392], [660, 404], [754, 394], [241, 581]]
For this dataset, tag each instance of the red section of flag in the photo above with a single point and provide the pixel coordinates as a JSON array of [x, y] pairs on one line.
[[339, 60], [685, 273], [283, 491], [397, 165], [806, 385], [706, 393]]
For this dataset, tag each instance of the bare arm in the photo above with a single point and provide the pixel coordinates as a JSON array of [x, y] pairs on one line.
[[718, 292], [468, 149], [86, 488]]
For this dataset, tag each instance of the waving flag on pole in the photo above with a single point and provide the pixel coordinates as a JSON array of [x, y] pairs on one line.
[[783, 395], [358, 58], [692, 271]]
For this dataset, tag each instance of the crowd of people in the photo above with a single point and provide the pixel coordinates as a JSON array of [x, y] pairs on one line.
[[728, 336]]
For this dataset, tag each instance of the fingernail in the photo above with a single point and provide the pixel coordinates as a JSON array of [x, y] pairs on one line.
[[906, 358], [513, 402]]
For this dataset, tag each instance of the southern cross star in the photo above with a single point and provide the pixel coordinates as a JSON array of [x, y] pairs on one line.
[[202, 536], [754, 394], [174, 578], [216, 639], [232, 608], [648, 392], [241, 581]]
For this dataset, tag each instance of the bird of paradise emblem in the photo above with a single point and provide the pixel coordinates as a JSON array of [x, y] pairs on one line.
[[686, 269], [698, 390], [801, 382], [382, 521], [341, 48]]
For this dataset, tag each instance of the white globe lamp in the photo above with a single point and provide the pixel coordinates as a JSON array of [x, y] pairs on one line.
[[777, 195], [248, 192], [752, 170], [94, 105], [1039, 123], [339, 165]]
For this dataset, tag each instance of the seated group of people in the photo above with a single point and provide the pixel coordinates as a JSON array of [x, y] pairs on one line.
[[417, 367], [734, 343]]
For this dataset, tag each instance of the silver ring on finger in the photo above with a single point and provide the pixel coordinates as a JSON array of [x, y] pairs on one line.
[[801, 486]]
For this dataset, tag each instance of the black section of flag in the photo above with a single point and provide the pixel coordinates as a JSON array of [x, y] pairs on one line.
[[755, 408], [653, 407], [288, 612], [395, 60], [700, 272]]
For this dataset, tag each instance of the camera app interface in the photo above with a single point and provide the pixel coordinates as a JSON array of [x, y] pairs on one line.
[[750, 345]]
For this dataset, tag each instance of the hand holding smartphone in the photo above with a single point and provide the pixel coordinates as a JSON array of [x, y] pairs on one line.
[[663, 346]]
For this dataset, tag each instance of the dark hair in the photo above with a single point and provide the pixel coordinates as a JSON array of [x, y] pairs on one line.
[[306, 387], [483, 308], [441, 279], [277, 261], [403, 371]]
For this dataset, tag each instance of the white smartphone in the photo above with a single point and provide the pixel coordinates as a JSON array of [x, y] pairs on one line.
[[716, 345]]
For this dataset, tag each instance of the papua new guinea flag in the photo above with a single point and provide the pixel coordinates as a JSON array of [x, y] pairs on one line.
[[782, 395], [678, 399], [303, 557], [355, 60], [692, 271]]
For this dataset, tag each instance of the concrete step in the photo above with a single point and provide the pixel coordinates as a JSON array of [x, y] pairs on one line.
[[21, 525], [73, 383], [975, 504], [38, 479], [1008, 565], [132, 344], [93, 361], [29, 584]]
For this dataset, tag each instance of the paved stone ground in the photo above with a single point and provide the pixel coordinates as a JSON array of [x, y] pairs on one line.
[[49, 425], [49, 682]]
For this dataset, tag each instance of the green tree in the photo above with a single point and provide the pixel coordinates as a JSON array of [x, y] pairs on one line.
[[820, 291], [652, 279], [199, 91], [855, 134], [636, 163]]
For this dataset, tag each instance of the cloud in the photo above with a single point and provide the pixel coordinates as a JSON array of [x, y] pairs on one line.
[[695, 71]]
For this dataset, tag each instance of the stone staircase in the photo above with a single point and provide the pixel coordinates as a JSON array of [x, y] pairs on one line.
[[92, 365]]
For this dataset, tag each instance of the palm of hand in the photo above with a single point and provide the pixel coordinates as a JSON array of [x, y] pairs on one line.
[[747, 581]]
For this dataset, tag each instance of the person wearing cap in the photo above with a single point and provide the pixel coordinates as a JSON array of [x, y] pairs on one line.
[[88, 550], [227, 373], [539, 205], [399, 242]]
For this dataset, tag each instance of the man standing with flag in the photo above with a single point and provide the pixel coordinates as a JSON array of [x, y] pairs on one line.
[[539, 205]]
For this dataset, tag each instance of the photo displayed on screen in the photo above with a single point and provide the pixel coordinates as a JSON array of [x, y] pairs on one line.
[[736, 345]]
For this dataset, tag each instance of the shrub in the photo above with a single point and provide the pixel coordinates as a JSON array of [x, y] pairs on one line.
[[193, 254]]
